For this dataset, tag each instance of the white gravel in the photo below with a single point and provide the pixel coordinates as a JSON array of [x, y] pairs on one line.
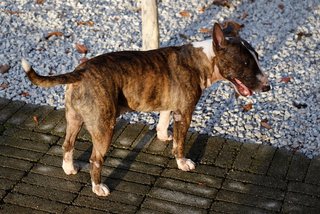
[[286, 33]]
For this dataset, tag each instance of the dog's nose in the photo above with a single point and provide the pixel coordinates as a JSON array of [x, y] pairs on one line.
[[265, 88]]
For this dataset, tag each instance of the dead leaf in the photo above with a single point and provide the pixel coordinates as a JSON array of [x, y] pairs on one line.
[[264, 123], [183, 36], [285, 79], [35, 119], [281, 7], [40, 1], [55, 33], [301, 34], [205, 30], [84, 59], [299, 105], [223, 3], [25, 94], [4, 86], [185, 13], [12, 12], [4, 68], [81, 48], [244, 15], [87, 23], [247, 107], [201, 9]]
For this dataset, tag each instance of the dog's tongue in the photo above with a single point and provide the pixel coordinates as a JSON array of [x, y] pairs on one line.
[[243, 90]]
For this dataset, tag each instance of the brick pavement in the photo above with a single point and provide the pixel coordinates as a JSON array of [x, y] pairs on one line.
[[230, 177]]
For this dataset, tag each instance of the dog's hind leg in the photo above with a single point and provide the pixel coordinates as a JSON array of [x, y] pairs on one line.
[[101, 134], [180, 129], [74, 123], [162, 127]]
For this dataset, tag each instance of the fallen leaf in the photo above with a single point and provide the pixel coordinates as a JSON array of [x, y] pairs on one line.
[[4, 68], [301, 34], [40, 1], [285, 79], [81, 48], [87, 23], [264, 123], [183, 36], [201, 9], [35, 119], [12, 12], [84, 59], [55, 33], [247, 107], [244, 15], [205, 30], [281, 7], [299, 105], [25, 94], [185, 13], [4, 86], [223, 3]]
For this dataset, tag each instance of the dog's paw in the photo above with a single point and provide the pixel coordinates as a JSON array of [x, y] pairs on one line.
[[100, 189], [185, 164], [164, 136], [70, 168]]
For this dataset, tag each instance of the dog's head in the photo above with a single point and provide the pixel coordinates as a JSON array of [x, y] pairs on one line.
[[237, 62]]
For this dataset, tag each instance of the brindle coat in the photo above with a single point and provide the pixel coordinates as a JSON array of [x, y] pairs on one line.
[[167, 80]]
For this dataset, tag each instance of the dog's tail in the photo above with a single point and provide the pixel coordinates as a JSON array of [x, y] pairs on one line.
[[48, 81]]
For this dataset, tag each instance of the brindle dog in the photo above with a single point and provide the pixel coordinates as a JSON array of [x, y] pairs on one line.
[[167, 80]]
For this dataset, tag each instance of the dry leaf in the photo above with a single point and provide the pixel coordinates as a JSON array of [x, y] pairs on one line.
[[299, 105], [204, 30], [84, 59], [281, 7], [301, 34], [185, 13], [4, 86], [40, 1], [183, 36], [224, 3], [201, 9], [244, 15], [35, 119], [25, 94], [247, 107], [81, 48], [87, 23], [12, 12], [264, 123], [55, 33], [4, 68], [285, 79]]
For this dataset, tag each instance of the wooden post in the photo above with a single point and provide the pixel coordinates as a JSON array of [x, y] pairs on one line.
[[150, 28]]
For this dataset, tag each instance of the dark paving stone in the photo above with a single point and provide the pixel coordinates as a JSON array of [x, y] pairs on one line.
[[211, 170], [104, 204], [298, 167], [144, 139], [11, 174], [212, 150], [50, 121], [304, 188], [129, 135], [9, 110], [297, 208], [3, 102], [313, 174], [257, 179], [21, 115], [24, 144], [252, 189], [6, 184], [280, 163], [34, 202], [228, 154], [262, 160], [20, 153], [157, 147], [148, 211], [302, 199], [193, 177], [82, 210], [15, 163], [249, 200], [170, 207], [45, 192], [33, 120], [226, 207], [11, 208], [246, 154]]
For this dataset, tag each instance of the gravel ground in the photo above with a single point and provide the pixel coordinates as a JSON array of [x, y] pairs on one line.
[[284, 32]]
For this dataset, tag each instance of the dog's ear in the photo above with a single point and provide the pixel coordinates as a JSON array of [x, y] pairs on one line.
[[218, 37]]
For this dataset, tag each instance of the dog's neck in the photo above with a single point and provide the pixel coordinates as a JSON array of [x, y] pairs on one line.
[[207, 49]]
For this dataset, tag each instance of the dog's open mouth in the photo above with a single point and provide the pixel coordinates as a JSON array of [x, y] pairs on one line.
[[241, 88]]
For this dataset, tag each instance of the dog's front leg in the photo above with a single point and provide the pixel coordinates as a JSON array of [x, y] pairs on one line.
[[180, 129], [162, 127]]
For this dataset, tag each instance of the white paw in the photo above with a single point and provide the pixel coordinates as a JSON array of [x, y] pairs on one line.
[[100, 189], [164, 135], [185, 164], [69, 168]]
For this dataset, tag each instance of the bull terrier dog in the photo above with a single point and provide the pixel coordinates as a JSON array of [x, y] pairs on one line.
[[166, 80]]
